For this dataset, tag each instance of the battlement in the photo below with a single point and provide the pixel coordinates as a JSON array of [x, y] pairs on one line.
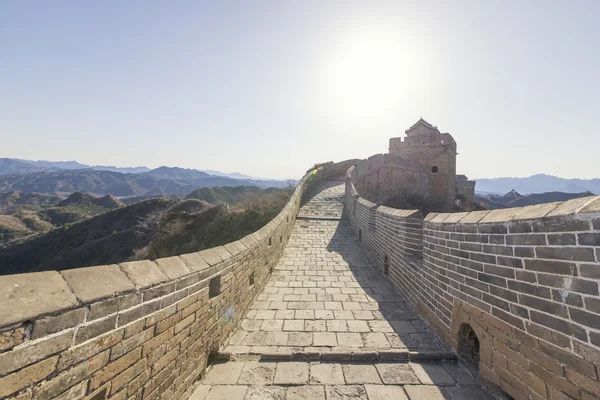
[[137, 329], [512, 290]]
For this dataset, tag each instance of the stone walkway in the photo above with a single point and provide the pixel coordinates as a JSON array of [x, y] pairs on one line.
[[329, 326]]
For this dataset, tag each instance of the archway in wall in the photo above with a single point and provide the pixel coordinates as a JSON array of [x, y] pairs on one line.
[[468, 347]]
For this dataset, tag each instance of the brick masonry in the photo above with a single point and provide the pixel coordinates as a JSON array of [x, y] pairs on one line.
[[524, 279], [136, 330]]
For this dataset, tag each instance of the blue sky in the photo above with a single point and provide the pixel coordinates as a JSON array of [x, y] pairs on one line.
[[268, 88]]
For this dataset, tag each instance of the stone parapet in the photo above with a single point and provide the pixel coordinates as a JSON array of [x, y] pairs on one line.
[[524, 281], [137, 329]]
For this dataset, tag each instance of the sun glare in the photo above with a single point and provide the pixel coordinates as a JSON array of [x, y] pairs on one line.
[[370, 73]]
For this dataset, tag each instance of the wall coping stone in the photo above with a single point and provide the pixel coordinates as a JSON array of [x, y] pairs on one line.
[[25, 296], [455, 217], [144, 273], [579, 206], [174, 267], [108, 280], [210, 256], [591, 207], [570, 206], [47, 294], [194, 261]]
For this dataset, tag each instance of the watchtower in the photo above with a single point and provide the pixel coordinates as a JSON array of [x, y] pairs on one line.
[[426, 145]]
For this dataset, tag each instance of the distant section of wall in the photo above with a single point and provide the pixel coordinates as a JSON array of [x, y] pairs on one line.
[[384, 177], [141, 329], [517, 290]]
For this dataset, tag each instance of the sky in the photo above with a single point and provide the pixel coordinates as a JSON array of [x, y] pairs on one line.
[[268, 88]]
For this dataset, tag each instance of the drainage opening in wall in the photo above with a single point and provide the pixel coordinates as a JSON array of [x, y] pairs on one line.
[[468, 347], [214, 287], [270, 241], [386, 265], [280, 239], [251, 278]]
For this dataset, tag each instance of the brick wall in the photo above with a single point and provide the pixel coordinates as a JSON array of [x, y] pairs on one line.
[[525, 280], [140, 329], [384, 177]]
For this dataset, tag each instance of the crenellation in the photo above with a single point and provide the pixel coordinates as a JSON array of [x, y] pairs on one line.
[[529, 274], [144, 327]]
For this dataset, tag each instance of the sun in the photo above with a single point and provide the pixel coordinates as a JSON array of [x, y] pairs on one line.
[[370, 73]]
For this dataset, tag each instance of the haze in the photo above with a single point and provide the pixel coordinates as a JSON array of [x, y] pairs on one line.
[[268, 88]]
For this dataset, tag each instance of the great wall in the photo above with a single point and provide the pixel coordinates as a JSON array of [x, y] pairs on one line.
[[339, 297]]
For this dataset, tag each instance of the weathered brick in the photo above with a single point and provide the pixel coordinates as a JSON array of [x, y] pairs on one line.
[[555, 267], [184, 323], [158, 316], [590, 270], [57, 323], [95, 328], [558, 324], [562, 239], [71, 377], [499, 250], [524, 252], [566, 253], [571, 299], [555, 379], [584, 382], [114, 368], [577, 363], [589, 239], [131, 343], [549, 335], [19, 380], [510, 262], [157, 341], [164, 360], [585, 318], [12, 338], [492, 279], [547, 306], [569, 283], [509, 318], [560, 224], [111, 306], [129, 374], [525, 240], [82, 352], [31, 353], [140, 311]]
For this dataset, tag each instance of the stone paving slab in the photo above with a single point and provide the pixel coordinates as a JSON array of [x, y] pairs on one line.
[[326, 293], [329, 326], [318, 380]]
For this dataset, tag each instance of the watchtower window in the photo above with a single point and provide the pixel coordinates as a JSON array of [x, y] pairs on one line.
[[434, 169]]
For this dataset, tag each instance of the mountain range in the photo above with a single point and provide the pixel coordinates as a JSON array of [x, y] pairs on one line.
[[9, 166], [540, 183], [30, 177]]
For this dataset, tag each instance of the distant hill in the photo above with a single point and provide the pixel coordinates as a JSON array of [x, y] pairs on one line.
[[539, 183], [163, 180], [16, 166], [81, 199], [516, 199], [147, 229], [156, 182], [223, 195], [15, 198], [55, 165]]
